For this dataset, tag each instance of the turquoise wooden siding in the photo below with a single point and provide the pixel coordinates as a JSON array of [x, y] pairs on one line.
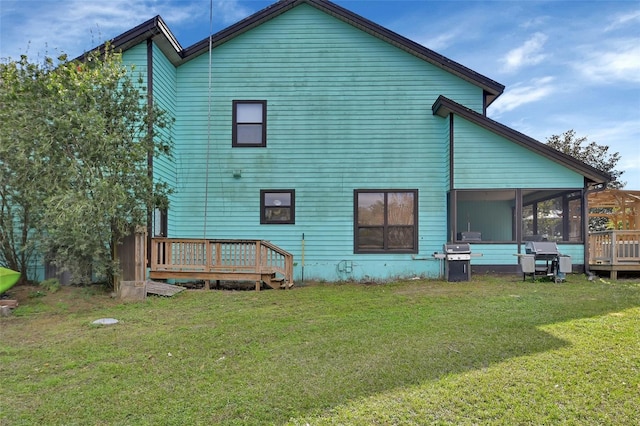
[[164, 94], [345, 111], [494, 254], [576, 251], [136, 56], [486, 160]]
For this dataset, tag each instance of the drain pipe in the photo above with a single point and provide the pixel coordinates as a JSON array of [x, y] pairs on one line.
[[585, 203]]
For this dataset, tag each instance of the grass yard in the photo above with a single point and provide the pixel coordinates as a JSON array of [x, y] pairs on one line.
[[494, 350]]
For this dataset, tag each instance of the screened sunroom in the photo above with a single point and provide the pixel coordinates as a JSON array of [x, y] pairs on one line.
[[516, 215]]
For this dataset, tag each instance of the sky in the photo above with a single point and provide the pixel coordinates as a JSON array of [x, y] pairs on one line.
[[565, 64]]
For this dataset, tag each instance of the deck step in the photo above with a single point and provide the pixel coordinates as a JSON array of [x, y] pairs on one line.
[[280, 282]]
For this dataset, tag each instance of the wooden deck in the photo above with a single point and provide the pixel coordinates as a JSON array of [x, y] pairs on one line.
[[614, 251], [216, 260]]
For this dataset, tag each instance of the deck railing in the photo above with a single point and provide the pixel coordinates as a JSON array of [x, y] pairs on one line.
[[614, 247], [217, 259]]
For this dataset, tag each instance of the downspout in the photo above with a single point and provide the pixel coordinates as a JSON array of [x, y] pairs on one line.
[[453, 202], [518, 220], [585, 204]]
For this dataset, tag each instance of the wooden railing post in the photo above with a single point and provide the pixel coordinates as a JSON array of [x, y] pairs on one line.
[[140, 244], [207, 253], [258, 257], [154, 254], [218, 254], [289, 263]]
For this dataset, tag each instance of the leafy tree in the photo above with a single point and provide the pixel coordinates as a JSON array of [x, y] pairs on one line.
[[22, 192], [595, 155], [591, 153], [74, 179]]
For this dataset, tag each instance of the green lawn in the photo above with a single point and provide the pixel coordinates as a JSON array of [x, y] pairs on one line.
[[494, 350]]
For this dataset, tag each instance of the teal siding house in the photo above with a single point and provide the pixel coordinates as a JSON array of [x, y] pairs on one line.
[[349, 146]]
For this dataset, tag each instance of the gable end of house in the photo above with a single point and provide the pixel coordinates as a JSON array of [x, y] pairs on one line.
[[444, 106], [157, 30]]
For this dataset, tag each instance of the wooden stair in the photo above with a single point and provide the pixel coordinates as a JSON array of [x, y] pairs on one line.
[[278, 283], [221, 260]]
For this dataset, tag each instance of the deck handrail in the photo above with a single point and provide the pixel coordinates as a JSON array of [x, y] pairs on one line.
[[220, 256], [614, 247]]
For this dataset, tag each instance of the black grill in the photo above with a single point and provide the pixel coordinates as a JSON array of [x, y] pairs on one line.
[[457, 248], [543, 250], [458, 257], [544, 258]]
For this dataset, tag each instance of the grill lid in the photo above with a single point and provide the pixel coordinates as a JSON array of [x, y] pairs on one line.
[[457, 248], [540, 248]]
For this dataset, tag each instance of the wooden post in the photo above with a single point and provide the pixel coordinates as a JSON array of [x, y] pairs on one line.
[[258, 265], [218, 254], [117, 276], [258, 260], [141, 254], [132, 290]]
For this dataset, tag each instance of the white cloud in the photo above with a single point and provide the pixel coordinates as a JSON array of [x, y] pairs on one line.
[[623, 20], [530, 53], [440, 42], [75, 26], [618, 60], [71, 26], [439, 32], [521, 94]]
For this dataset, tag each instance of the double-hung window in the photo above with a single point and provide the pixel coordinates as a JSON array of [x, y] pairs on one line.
[[386, 221], [277, 206], [249, 124]]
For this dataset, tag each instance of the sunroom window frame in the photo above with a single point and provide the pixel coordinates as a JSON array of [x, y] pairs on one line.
[[566, 194]]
